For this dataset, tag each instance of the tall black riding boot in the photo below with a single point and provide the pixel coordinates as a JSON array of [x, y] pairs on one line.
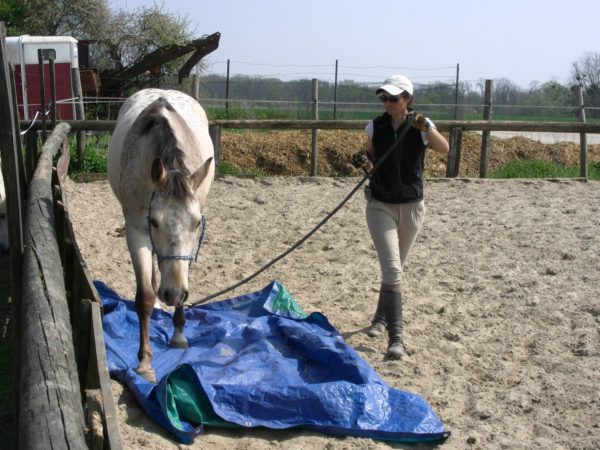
[[393, 315], [378, 323]]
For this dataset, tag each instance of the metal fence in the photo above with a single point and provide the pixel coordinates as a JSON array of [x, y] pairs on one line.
[[261, 98]]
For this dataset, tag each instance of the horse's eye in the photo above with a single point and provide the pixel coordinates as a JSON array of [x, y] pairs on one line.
[[154, 223]]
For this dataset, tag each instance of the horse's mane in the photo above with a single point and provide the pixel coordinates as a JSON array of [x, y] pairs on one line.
[[153, 122], [176, 186]]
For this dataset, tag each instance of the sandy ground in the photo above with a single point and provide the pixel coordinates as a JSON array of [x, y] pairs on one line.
[[502, 300]]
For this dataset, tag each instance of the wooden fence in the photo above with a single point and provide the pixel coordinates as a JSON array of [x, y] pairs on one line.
[[455, 128], [63, 363], [62, 391]]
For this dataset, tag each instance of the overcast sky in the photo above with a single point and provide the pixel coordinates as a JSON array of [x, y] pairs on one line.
[[524, 41]]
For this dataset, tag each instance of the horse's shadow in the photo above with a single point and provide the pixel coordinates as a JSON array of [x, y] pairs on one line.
[[347, 335], [284, 438]]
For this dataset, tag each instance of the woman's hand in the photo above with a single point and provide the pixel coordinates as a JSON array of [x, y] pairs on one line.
[[421, 122], [359, 159]]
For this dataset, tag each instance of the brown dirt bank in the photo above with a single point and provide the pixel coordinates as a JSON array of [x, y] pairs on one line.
[[288, 153]]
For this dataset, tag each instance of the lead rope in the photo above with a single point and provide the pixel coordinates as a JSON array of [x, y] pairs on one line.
[[367, 175]]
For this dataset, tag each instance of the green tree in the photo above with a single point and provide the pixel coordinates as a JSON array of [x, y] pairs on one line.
[[11, 13], [550, 93], [129, 36], [586, 72], [505, 92], [78, 18]]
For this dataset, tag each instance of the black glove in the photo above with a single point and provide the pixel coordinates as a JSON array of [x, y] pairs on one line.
[[359, 159]]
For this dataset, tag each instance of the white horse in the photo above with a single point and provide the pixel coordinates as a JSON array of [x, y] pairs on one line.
[[160, 167], [3, 218]]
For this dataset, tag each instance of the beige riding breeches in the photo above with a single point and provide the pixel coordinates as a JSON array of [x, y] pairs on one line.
[[394, 228]]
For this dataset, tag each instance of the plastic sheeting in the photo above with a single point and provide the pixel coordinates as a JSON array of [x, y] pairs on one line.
[[259, 360]]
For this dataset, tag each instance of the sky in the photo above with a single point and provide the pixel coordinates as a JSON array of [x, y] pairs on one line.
[[523, 41]]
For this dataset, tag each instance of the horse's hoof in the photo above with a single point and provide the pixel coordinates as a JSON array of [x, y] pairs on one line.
[[146, 374], [157, 304], [178, 340], [176, 343]]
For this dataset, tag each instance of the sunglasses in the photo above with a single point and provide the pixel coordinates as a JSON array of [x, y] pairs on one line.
[[387, 98]]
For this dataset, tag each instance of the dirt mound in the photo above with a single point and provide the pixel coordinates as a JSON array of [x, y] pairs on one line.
[[288, 153]]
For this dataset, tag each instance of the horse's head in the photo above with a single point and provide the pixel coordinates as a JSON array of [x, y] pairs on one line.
[[175, 226]]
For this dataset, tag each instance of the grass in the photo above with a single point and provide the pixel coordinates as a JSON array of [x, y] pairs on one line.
[[95, 156], [532, 168], [231, 169]]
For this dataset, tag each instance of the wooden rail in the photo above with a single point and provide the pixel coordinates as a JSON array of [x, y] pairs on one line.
[[454, 128], [442, 125]]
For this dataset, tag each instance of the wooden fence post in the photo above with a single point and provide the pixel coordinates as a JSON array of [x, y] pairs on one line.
[[195, 86], [315, 131], [453, 164], [215, 135], [80, 113], [583, 151], [23, 175], [15, 199], [52, 69], [42, 94], [227, 90], [485, 134], [31, 139]]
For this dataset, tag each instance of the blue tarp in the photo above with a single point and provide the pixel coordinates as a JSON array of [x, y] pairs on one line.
[[259, 360]]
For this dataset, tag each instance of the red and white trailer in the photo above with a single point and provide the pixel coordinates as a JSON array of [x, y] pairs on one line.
[[23, 54]]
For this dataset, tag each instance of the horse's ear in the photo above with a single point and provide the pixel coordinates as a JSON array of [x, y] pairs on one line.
[[158, 173], [201, 173]]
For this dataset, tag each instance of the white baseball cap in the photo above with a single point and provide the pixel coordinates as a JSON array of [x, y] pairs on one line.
[[396, 85]]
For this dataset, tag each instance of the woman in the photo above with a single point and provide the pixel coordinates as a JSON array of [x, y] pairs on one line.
[[395, 208]]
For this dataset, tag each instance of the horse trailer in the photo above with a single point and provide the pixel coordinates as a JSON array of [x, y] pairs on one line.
[[23, 54]]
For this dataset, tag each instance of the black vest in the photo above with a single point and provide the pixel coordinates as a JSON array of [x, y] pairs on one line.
[[400, 178]]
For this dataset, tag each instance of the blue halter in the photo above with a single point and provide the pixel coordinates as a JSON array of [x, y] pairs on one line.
[[191, 257]]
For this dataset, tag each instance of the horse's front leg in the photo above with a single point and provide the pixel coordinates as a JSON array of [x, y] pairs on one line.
[[145, 296], [178, 340], [144, 304], [155, 282]]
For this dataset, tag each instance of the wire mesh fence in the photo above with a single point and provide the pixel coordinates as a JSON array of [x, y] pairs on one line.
[[245, 97]]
